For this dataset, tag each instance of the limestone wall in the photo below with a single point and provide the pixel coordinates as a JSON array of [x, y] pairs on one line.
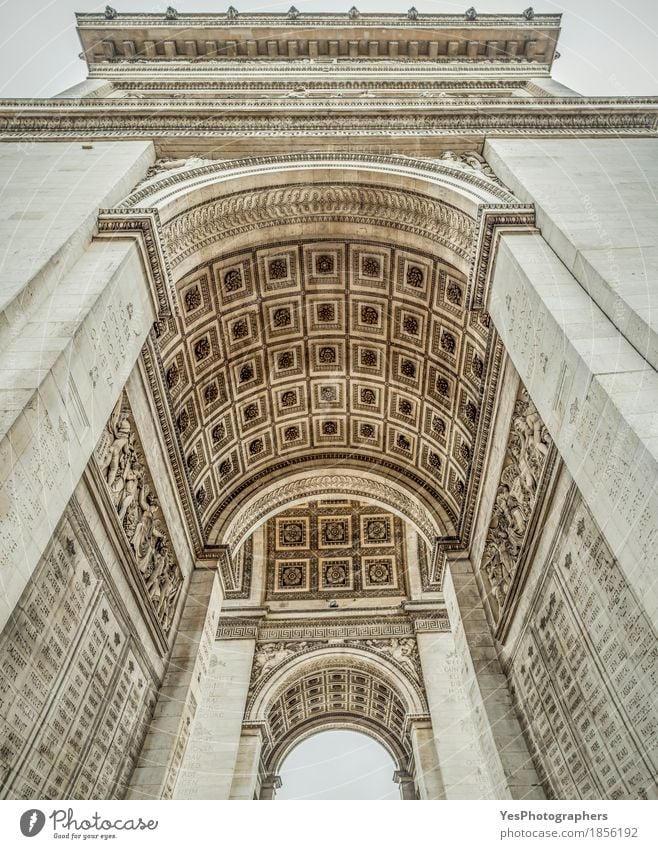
[[78, 671], [582, 658]]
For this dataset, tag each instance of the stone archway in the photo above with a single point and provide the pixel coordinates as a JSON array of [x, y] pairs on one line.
[[300, 688], [326, 335], [296, 345]]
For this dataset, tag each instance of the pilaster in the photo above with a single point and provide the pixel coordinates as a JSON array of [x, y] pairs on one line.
[[428, 771], [189, 672], [246, 783], [209, 765], [509, 766]]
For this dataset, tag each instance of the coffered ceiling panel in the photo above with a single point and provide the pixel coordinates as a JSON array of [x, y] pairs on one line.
[[327, 351]]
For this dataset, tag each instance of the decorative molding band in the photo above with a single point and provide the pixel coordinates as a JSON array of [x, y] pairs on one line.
[[424, 623], [17, 123], [492, 223], [336, 629], [238, 629], [182, 87], [488, 71], [409, 212], [353, 628], [472, 172], [295, 99], [145, 227], [151, 363]]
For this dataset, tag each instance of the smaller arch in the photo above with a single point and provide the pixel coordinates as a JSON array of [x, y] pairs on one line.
[[332, 686], [330, 657]]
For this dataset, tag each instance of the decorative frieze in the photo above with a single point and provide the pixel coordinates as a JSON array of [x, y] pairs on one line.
[[348, 628], [54, 123], [521, 485], [424, 623], [128, 483], [237, 629], [221, 219]]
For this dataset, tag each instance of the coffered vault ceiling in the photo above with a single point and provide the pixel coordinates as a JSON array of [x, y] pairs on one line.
[[332, 548], [332, 352]]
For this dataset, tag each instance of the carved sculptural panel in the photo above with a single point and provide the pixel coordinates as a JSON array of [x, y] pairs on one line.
[[131, 492], [525, 462]]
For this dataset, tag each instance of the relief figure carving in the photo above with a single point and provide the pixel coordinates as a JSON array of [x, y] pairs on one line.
[[124, 470], [527, 450]]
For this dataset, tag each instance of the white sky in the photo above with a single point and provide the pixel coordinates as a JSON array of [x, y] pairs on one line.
[[607, 47], [338, 765]]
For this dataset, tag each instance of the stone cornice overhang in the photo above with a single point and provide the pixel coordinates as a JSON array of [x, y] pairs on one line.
[[86, 20], [184, 70], [130, 119], [297, 36]]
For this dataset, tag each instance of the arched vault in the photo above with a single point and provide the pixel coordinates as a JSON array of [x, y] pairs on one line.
[[329, 687], [325, 325]]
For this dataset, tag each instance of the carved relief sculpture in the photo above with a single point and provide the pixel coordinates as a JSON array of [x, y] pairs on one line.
[[528, 447], [121, 461]]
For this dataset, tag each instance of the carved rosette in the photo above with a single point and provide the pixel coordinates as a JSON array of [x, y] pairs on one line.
[[120, 458], [517, 501]]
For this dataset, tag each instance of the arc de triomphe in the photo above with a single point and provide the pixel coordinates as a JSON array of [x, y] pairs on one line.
[[328, 400]]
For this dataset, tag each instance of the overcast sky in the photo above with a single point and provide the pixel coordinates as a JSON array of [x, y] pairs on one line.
[[607, 46]]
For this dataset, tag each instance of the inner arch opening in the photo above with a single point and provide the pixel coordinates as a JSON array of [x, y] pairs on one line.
[[338, 764]]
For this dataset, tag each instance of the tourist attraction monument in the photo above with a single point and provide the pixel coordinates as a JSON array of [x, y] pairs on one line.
[[328, 399]]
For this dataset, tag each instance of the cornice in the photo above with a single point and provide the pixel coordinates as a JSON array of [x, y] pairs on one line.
[[319, 19], [63, 123], [298, 37], [294, 101]]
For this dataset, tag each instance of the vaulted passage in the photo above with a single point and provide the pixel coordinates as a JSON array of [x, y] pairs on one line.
[[345, 353]]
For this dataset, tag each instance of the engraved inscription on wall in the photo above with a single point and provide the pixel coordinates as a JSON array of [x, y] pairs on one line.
[[585, 674], [75, 693]]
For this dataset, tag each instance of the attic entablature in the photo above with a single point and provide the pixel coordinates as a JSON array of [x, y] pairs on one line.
[[114, 36]]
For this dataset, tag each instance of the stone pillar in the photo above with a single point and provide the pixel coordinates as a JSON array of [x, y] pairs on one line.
[[509, 765], [269, 785], [258, 571], [585, 288], [246, 773], [210, 761], [593, 391], [415, 586], [463, 769], [74, 314], [157, 769], [428, 772], [406, 782]]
